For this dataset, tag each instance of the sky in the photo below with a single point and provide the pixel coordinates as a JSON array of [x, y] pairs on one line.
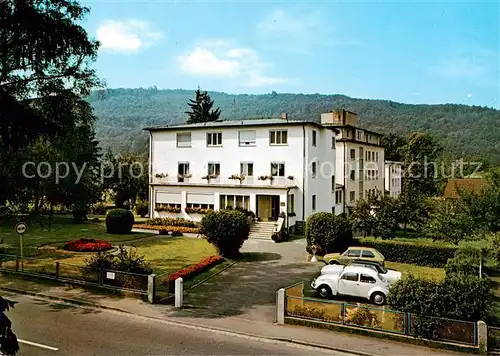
[[424, 52]]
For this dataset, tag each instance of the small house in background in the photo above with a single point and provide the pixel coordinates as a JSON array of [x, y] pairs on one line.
[[454, 186]]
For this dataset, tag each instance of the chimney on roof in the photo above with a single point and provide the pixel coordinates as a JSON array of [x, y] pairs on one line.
[[284, 116]]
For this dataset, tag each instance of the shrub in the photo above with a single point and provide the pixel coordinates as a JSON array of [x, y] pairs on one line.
[[119, 221], [141, 208], [190, 230], [226, 230], [163, 232], [328, 232], [362, 317], [99, 209], [130, 261], [419, 254], [176, 233], [197, 268], [309, 312], [283, 235], [95, 220], [87, 245], [100, 261], [466, 261], [457, 297], [170, 222]]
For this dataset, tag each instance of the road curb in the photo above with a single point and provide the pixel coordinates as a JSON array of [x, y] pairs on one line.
[[63, 299], [79, 303]]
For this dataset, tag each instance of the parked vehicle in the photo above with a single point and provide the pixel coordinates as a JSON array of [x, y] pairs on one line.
[[387, 275], [355, 253], [356, 281]]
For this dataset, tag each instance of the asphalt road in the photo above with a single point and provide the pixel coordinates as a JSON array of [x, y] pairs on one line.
[[53, 329]]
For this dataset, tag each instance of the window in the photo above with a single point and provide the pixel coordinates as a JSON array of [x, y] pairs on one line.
[[359, 135], [376, 157], [314, 202], [182, 171], [367, 279], [277, 169], [291, 203], [350, 276], [353, 174], [184, 139], [200, 206], [278, 137], [367, 254], [314, 169], [246, 169], [314, 133], [214, 139], [333, 183], [353, 153], [247, 138], [338, 197], [333, 142], [183, 168], [214, 169], [353, 253], [352, 196], [232, 201]]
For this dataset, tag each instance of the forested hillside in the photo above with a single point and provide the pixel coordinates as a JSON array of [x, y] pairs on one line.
[[462, 129]]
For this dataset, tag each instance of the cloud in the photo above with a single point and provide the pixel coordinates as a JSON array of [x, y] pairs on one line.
[[222, 59], [458, 68], [297, 30], [126, 36]]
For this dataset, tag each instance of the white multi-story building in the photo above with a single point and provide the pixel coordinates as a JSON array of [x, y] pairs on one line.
[[267, 166], [393, 178], [360, 157]]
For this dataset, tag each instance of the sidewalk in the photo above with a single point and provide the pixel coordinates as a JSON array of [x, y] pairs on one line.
[[191, 317]]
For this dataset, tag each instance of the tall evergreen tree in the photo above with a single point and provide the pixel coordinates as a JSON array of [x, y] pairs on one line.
[[201, 109]]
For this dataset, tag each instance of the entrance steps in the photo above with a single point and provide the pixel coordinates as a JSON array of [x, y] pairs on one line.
[[262, 230]]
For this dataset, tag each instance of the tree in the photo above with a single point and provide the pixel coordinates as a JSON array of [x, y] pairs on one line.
[[128, 177], [450, 221], [421, 157], [411, 208], [394, 145], [8, 340], [362, 216], [328, 232], [201, 109], [385, 221]]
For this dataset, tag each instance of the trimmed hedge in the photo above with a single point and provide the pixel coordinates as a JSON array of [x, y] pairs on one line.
[[119, 221], [418, 254]]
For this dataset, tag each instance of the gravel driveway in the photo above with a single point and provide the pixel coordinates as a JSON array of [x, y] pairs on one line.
[[248, 289]]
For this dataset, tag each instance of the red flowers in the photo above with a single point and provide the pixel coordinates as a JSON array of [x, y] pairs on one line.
[[196, 268], [87, 245]]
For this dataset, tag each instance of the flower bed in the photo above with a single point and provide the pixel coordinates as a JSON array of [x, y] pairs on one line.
[[87, 245], [197, 211], [182, 229], [170, 222], [195, 269]]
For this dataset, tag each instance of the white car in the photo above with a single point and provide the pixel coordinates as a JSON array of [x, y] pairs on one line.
[[353, 280], [387, 275]]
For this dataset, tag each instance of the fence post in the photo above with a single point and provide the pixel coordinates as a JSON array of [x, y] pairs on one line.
[[57, 270], [280, 307], [17, 263], [179, 292], [151, 288], [482, 336]]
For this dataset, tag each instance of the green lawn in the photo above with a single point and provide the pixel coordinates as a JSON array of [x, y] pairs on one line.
[[62, 230], [417, 271]]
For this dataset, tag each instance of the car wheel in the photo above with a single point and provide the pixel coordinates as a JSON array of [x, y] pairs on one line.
[[324, 291], [334, 262], [378, 298]]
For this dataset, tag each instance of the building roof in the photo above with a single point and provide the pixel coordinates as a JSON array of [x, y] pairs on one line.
[[236, 123], [471, 184]]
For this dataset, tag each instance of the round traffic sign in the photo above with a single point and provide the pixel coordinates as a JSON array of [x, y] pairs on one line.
[[21, 228]]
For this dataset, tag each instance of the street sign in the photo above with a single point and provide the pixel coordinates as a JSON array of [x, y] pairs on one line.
[[21, 228]]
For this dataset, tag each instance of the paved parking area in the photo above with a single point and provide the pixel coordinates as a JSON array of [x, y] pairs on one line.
[[248, 289]]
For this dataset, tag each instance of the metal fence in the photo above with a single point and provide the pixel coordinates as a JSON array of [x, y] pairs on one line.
[[66, 272], [378, 318], [163, 288], [493, 338]]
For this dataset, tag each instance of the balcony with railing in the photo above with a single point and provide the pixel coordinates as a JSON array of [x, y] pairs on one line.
[[234, 180]]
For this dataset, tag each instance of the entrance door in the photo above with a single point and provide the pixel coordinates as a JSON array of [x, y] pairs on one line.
[[264, 207]]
